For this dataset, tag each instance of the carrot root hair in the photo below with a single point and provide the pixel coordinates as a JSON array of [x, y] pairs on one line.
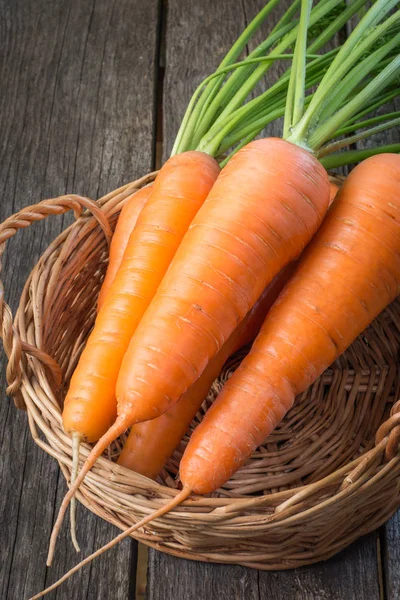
[[178, 499], [115, 430], [76, 441]]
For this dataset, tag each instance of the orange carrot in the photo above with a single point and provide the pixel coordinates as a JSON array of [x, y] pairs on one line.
[[151, 443], [181, 187], [263, 209], [90, 406], [347, 276], [247, 231], [125, 225]]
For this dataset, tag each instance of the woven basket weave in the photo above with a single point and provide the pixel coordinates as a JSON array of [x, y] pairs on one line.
[[328, 474]]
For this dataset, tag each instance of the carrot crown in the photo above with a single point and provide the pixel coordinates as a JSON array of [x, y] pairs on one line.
[[362, 71], [353, 79]]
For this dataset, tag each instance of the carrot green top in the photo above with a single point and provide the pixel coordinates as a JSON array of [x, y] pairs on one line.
[[353, 79]]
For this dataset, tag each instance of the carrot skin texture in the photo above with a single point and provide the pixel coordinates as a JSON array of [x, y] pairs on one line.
[[263, 209], [346, 277], [125, 225], [150, 444], [90, 406]]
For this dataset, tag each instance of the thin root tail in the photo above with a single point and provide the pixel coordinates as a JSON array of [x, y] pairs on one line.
[[114, 431], [76, 440], [178, 499]]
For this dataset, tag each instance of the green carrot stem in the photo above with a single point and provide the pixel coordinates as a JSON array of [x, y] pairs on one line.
[[321, 10], [335, 26], [352, 157], [225, 70], [202, 114], [251, 130], [377, 102], [338, 145], [300, 76], [284, 25], [212, 141], [296, 89], [362, 68], [256, 124], [368, 122], [215, 105], [214, 100]]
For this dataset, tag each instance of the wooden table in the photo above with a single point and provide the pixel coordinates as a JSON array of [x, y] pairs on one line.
[[92, 92]]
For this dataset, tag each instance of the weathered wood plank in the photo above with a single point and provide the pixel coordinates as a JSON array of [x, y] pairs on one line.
[[76, 114], [172, 578], [352, 574]]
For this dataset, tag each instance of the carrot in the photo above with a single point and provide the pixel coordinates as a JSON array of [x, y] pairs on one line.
[[151, 443], [245, 233], [347, 276], [90, 406], [125, 225]]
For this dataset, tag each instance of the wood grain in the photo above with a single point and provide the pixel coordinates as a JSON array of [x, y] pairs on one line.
[[172, 578], [76, 114], [352, 574]]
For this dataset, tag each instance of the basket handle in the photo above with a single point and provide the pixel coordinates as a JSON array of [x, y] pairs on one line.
[[12, 343], [391, 430]]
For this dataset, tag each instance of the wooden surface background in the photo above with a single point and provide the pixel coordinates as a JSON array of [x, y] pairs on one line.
[[91, 97]]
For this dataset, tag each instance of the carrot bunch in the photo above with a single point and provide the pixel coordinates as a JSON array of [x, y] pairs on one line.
[[206, 252]]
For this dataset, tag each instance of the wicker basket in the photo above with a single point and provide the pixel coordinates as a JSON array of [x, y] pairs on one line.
[[327, 475]]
